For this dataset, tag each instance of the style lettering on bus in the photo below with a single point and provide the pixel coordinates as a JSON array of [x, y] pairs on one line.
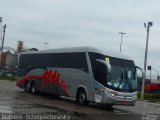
[[53, 78], [49, 78]]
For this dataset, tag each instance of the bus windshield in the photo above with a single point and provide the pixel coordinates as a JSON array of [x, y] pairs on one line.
[[122, 76]]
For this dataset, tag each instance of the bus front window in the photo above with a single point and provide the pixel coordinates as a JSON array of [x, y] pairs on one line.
[[122, 78]]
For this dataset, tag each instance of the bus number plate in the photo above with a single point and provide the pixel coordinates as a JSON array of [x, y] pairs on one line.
[[124, 102]]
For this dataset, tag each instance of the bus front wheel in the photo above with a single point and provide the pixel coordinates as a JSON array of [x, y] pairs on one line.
[[33, 88], [82, 99], [27, 87]]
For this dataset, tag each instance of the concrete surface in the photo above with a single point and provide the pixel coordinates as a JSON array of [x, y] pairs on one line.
[[14, 101]]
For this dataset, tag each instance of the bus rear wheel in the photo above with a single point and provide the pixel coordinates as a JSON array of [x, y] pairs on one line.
[[82, 99], [27, 87], [33, 88]]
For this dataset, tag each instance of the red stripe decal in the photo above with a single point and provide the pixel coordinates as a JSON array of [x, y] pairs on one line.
[[49, 78]]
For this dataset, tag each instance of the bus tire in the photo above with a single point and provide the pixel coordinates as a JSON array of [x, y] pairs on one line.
[[27, 87], [33, 88], [82, 97]]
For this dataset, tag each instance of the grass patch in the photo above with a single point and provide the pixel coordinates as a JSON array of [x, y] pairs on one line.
[[150, 97], [12, 78]]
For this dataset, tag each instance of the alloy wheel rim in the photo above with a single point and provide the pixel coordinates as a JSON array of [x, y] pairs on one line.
[[82, 98], [33, 89]]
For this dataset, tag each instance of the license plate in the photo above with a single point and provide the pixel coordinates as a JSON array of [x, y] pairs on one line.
[[124, 102]]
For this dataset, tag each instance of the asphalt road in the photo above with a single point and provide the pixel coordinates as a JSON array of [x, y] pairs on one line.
[[20, 105]]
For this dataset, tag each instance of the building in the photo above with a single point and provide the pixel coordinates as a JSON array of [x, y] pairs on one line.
[[9, 60]]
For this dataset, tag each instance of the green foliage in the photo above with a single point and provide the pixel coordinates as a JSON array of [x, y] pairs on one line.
[[139, 95], [151, 97], [3, 77]]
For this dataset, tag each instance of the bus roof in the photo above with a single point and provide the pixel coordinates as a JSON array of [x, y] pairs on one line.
[[82, 49]]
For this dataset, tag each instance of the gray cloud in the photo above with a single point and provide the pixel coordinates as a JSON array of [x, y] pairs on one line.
[[65, 23]]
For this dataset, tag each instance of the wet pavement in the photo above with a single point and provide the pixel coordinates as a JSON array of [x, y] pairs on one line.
[[14, 101]]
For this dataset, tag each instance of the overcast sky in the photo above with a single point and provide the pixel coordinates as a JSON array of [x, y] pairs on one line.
[[64, 23]]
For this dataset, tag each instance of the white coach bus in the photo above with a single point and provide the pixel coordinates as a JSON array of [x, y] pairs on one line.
[[84, 73]]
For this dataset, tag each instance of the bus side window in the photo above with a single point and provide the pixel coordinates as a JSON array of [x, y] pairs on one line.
[[100, 73]]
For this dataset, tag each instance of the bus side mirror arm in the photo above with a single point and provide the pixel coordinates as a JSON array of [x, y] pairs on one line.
[[137, 67], [107, 64], [108, 67]]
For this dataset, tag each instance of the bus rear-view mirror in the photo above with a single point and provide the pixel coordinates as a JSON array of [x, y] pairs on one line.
[[106, 63]]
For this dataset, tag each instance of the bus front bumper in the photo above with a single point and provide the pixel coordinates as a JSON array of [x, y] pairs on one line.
[[128, 99]]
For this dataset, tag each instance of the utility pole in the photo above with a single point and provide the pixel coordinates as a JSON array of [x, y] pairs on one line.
[[1, 35], [4, 29], [121, 40], [145, 58], [1, 27]]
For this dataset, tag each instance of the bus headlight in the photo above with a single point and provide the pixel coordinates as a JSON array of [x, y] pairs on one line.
[[135, 96], [112, 94]]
